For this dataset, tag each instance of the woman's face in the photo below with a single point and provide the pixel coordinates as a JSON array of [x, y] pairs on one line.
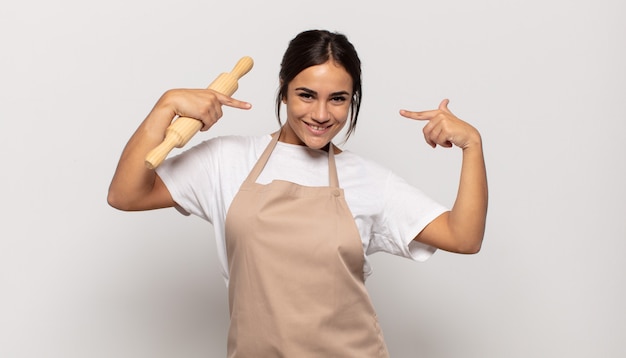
[[318, 102]]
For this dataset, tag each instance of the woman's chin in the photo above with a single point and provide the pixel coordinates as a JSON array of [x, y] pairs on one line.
[[317, 143]]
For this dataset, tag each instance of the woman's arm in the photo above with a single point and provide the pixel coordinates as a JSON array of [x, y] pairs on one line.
[[135, 187], [460, 230]]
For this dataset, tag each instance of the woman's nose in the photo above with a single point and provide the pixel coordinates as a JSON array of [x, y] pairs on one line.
[[321, 114]]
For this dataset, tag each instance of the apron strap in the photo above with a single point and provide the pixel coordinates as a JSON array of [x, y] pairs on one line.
[[260, 164], [332, 168]]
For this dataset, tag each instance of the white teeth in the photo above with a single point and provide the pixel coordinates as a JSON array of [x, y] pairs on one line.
[[317, 128]]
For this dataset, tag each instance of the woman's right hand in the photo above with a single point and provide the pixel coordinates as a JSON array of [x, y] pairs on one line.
[[204, 105], [135, 187]]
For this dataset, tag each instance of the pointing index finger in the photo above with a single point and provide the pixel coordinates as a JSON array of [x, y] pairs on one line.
[[420, 116], [232, 102]]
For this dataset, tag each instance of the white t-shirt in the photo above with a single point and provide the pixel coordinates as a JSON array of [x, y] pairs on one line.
[[388, 211]]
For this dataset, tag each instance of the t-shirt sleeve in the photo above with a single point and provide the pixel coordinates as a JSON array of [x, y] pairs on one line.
[[406, 212], [181, 175]]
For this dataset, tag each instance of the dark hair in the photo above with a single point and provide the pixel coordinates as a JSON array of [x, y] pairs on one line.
[[316, 47]]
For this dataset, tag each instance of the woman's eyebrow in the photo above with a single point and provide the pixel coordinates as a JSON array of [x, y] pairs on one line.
[[312, 92], [307, 90]]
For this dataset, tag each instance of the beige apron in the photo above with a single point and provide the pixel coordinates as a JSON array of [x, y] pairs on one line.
[[295, 261]]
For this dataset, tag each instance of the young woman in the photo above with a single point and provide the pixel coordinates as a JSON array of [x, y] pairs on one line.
[[294, 216]]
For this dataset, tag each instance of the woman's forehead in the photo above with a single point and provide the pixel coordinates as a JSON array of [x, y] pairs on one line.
[[329, 77]]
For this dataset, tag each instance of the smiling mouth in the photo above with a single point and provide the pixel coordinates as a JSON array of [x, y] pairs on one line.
[[316, 127]]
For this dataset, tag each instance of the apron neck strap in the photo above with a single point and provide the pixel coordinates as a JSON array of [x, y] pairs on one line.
[[332, 167], [260, 164]]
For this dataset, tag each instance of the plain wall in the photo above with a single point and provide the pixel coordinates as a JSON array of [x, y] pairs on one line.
[[544, 82]]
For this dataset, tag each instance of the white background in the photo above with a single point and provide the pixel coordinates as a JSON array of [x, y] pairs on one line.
[[544, 81]]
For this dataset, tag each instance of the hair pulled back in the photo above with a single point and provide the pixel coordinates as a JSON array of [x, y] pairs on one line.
[[316, 47]]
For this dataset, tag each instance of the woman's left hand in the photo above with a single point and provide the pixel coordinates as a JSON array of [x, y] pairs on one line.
[[444, 128], [463, 227]]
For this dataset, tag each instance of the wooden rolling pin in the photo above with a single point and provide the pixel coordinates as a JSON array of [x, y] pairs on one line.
[[183, 128]]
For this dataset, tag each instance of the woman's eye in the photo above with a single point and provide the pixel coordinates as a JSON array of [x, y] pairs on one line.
[[305, 95], [339, 99]]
